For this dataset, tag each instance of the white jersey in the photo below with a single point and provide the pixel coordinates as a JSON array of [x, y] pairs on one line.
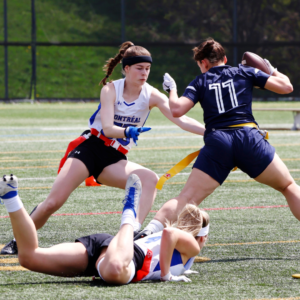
[[125, 114], [152, 242]]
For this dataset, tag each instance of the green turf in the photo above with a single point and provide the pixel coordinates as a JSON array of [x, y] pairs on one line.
[[245, 271]]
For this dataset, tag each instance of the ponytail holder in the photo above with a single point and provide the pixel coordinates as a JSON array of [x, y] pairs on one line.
[[106, 76]]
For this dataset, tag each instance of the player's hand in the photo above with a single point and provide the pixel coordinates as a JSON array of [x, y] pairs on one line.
[[189, 272], [170, 277], [134, 132], [169, 83], [272, 69]]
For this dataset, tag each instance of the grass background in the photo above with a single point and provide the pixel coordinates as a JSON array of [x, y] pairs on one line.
[[32, 141]]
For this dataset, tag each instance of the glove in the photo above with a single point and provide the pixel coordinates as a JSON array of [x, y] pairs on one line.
[[189, 272], [170, 277], [134, 132], [272, 69], [169, 83], [141, 234]]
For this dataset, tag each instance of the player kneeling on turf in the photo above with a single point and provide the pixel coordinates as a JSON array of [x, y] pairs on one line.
[[166, 255]]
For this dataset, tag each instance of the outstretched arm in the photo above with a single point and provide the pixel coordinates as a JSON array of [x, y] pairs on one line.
[[173, 238], [161, 101]]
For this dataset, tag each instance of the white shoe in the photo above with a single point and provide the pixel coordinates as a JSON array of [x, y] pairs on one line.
[[133, 191], [8, 186]]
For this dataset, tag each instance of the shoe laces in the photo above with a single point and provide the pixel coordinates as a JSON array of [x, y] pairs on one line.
[[129, 195]]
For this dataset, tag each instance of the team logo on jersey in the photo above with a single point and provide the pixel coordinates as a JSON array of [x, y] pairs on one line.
[[119, 103], [132, 119], [168, 175]]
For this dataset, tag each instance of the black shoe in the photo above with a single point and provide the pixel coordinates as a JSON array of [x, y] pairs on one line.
[[10, 248], [141, 234]]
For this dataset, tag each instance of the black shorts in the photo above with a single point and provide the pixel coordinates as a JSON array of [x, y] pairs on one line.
[[94, 244], [96, 156]]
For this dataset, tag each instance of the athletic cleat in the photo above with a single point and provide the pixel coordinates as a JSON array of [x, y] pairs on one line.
[[133, 191], [8, 186], [10, 248], [141, 234]]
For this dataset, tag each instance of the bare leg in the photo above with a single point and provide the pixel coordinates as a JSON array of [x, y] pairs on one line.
[[115, 266], [68, 259], [198, 186], [117, 174], [73, 173], [277, 176]]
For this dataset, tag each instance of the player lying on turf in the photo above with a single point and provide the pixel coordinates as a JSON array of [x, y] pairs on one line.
[[166, 255], [232, 137]]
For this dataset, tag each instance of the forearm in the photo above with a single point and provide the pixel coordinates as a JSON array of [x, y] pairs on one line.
[[174, 103], [191, 125], [276, 73], [167, 246], [114, 131]]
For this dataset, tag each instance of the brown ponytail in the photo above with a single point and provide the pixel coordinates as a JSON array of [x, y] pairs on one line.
[[209, 49], [127, 49]]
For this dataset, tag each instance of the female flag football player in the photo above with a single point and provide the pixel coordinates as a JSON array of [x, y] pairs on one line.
[[167, 255], [115, 126], [232, 137]]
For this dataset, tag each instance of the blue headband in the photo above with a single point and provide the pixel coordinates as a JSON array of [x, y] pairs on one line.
[[132, 60]]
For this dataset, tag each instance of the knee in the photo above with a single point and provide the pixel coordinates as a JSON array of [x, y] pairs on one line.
[[52, 204], [114, 270], [26, 259], [284, 187], [150, 180]]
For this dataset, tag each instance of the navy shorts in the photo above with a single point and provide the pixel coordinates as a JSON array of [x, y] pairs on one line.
[[244, 148], [96, 156], [94, 245]]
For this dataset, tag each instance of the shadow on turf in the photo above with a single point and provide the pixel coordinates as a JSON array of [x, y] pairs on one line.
[[92, 283]]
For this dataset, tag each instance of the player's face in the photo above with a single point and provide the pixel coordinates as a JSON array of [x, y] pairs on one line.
[[139, 72]]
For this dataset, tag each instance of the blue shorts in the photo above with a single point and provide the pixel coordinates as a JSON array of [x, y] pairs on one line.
[[225, 149]]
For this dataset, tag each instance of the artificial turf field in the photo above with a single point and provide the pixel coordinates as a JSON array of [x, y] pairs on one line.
[[254, 241]]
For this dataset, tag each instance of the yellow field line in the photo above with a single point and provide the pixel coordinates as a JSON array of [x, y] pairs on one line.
[[12, 268], [253, 243], [9, 261], [33, 167], [229, 181], [26, 160], [38, 151]]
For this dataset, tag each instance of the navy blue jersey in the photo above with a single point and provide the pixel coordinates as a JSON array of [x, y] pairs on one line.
[[225, 94]]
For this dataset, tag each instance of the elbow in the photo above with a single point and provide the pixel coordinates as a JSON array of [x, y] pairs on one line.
[[106, 131], [287, 89], [176, 113]]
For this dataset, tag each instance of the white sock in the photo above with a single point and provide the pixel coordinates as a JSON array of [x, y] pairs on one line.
[[155, 226], [137, 226], [128, 217], [13, 204]]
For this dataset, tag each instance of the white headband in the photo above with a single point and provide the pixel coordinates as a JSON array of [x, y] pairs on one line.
[[204, 231]]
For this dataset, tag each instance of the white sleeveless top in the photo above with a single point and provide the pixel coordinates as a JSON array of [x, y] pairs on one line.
[[125, 114], [152, 242]]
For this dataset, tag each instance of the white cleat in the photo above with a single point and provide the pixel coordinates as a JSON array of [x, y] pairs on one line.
[[133, 191], [8, 186]]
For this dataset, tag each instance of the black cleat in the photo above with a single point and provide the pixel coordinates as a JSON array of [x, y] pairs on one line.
[[141, 234], [10, 248]]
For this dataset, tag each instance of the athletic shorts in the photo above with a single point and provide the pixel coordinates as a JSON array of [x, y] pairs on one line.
[[94, 244], [225, 149], [96, 156]]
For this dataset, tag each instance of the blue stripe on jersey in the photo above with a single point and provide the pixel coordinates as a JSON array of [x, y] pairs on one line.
[[92, 118], [176, 260], [130, 104], [146, 118]]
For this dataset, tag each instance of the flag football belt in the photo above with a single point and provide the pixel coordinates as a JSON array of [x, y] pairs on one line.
[[188, 159], [108, 142]]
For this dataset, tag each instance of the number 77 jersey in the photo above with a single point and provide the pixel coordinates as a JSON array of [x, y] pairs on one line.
[[225, 94]]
